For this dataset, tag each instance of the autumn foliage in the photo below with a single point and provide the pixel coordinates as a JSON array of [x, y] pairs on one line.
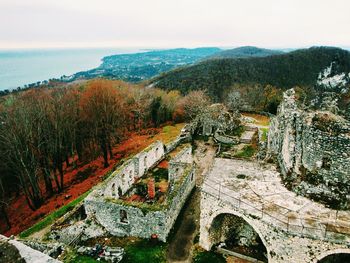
[[44, 132]]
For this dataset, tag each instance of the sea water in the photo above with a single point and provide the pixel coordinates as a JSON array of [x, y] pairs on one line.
[[20, 67]]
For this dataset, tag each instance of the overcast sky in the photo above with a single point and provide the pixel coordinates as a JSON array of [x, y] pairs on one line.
[[173, 23]]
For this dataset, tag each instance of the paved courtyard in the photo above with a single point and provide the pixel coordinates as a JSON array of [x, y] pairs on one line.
[[294, 228], [259, 190]]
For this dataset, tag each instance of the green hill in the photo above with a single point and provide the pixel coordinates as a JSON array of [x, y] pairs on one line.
[[324, 68], [144, 65], [246, 51]]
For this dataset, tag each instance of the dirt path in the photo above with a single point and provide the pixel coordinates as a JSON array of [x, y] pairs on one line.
[[187, 225]]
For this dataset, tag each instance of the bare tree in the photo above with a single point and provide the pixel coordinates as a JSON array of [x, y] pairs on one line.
[[234, 101], [101, 111], [194, 104], [19, 134]]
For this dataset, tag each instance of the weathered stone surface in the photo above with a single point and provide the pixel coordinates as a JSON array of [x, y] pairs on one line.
[[122, 179], [223, 138], [141, 223], [310, 149], [216, 119], [28, 254], [52, 249], [107, 214], [282, 219]]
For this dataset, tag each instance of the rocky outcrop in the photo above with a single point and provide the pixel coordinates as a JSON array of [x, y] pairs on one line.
[[313, 152]]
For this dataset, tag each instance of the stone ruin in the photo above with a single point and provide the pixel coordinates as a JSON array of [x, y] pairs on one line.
[[141, 198], [219, 122], [105, 253], [12, 250], [313, 151]]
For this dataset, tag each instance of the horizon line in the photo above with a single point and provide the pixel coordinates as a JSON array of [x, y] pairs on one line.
[[9, 48]]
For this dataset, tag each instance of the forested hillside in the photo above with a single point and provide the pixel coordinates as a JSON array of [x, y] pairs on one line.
[[321, 67], [246, 51]]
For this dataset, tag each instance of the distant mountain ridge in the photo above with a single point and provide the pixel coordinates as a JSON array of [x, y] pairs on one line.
[[245, 51], [145, 65], [140, 66], [323, 67]]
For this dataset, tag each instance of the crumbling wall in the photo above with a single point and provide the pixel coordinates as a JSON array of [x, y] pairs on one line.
[[179, 196], [148, 157], [122, 219], [225, 139], [313, 152], [184, 156], [20, 252], [179, 164], [122, 179], [215, 118]]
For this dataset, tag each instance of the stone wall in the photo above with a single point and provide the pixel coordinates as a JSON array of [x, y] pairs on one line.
[[178, 197], [215, 118], [122, 219], [26, 253], [222, 138], [122, 179], [313, 151], [142, 219], [179, 164], [103, 212]]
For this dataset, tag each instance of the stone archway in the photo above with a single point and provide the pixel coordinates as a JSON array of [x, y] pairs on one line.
[[334, 256], [235, 232]]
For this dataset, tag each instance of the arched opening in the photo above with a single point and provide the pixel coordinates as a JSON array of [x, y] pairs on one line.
[[120, 192], [123, 216], [336, 258], [113, 190], [145, 162], [123, 178], [233, 233]]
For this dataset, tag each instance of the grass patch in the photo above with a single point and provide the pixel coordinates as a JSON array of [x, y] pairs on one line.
[[169, 133], [145, 251], [166, 129], [70, 255], [247, 152], [265, 132], [259, 119], [50, 219], [81, 259], [208, 256]]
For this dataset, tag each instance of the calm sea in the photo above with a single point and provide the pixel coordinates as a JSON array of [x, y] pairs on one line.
[[20, 67]]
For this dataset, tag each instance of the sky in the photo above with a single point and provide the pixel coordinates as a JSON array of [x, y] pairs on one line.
[[173, 23]]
